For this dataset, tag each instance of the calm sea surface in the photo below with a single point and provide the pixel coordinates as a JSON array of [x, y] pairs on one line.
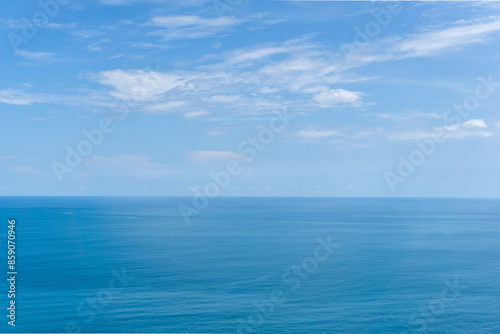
[[254, 265]]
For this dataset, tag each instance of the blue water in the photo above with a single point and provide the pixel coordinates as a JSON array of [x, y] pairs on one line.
[[388, 269]]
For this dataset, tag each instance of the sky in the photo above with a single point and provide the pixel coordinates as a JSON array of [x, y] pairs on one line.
[[249, 98]]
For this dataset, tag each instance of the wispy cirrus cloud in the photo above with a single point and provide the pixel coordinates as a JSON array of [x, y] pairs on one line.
[[408, 115], [461, 34], [470, 128], [316, 134], [301, 74], [23, 97], [19, 97], [193, 114], [428, 42], [167, 107], [177, 27], [355, 136], [205, 156], [261, 53], [191, 26], [145, 45], [229, 88], [38, 56], [18, 24]]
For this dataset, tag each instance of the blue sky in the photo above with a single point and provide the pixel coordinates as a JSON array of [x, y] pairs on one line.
[[372, 99]]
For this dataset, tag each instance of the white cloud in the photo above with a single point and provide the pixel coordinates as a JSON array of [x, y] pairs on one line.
[[28, 55], [474, 123], [194, 114], [298, 74], [228, 89], [243, 56], [165, 107], [204, 156], [62, 26], [146, 45], [470, 128], [97, 46], [448, 39], [334, 97], [426, 43], [301, 50], [408, 115], [13, 96], [316, 134], [191, 26], [18, 24], [177, 21], [19, 97], [138, 85], [497, 124], [173, 27], [130, 165], [176, 91], [216, 132], [411, 135], [14, 24], [86, 33]]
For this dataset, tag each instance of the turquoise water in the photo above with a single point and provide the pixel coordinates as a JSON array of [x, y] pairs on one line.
[[255, 265]]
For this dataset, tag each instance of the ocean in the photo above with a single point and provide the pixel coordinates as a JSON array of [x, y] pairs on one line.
[[253, 265]]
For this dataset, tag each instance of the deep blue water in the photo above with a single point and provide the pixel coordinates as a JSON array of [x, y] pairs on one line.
[[396, 265]]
